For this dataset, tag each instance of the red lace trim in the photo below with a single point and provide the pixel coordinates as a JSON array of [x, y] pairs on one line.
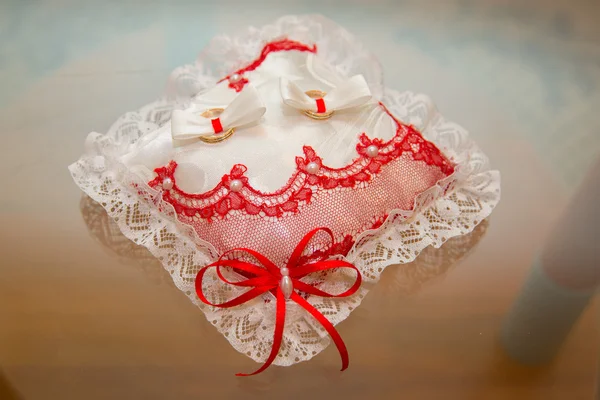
[[280, 45], [303, 184]]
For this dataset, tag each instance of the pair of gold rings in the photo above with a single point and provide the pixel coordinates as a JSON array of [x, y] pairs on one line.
[[212, 113]]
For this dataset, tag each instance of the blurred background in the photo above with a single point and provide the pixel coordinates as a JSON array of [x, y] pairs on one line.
[[82, 315]]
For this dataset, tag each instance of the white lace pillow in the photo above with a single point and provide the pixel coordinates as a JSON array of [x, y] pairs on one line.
[[287, 176]]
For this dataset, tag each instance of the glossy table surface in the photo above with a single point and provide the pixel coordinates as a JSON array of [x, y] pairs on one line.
[[85, 314]]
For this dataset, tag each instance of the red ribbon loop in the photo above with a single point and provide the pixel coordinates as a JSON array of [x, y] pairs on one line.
[[321, 106], [216, 123], [266, 276]]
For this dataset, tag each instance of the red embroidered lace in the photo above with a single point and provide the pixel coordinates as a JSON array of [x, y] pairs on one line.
[[303, 185], [280, 45]]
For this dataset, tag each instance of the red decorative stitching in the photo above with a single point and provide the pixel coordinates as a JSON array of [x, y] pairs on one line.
[[303, 184], [272, 47]]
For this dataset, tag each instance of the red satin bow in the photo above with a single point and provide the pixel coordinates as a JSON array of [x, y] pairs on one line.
[[262, 280]]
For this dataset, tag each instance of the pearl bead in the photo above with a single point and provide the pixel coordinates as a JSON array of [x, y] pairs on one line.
[[313, 167], [167, 184], [235, 78], [287, 287], [372, 151], [284, 271], [236, 185]]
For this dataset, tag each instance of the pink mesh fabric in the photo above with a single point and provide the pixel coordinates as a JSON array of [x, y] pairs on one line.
[[346, 211]]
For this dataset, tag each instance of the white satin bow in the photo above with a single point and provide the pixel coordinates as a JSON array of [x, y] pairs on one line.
[[245, 108], [350, 93]]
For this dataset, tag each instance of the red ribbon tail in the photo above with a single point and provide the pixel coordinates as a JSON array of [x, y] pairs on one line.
[[277, 336], [337, 339]]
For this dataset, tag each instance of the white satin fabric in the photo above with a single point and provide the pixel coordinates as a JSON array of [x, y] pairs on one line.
[[246, 108]]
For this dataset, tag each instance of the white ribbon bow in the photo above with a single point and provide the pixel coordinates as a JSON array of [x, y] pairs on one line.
[[245, 108], [350, 93]]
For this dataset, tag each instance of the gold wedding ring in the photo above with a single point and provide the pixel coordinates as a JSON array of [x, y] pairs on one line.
[[213, 113], [317, 94]]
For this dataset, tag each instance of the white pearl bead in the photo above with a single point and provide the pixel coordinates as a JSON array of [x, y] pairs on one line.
[[167, 184], [236, 185], [235, 78], [312, 167], [284, 271], [287, 286], [372, 151]]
